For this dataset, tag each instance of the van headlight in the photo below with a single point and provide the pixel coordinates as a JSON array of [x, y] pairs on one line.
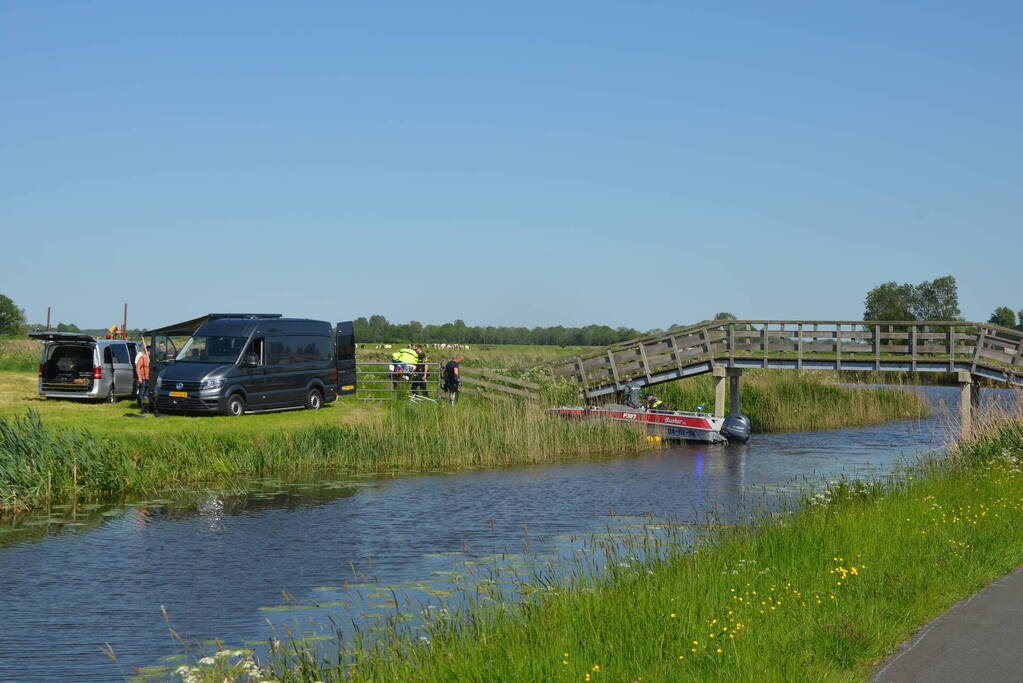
[[211, 384]]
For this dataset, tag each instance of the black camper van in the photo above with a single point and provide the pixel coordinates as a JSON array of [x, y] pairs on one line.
[[232, 365]]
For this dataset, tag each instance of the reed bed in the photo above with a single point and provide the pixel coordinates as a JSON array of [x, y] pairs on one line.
[[19, 355], [787, 401], [41, 462], [822, 592]]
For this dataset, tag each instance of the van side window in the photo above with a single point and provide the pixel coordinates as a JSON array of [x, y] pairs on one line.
[[254, 354], [108, 357], [299, 349], [121, 353]]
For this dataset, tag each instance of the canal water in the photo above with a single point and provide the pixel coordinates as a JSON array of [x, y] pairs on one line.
[[241, 565]]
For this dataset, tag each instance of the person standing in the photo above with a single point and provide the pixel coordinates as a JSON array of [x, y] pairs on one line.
[[142, 375], [630, 394], [452, 378], [421, 372]]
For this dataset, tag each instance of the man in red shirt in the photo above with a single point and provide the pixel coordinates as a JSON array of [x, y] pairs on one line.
[[142, 374]]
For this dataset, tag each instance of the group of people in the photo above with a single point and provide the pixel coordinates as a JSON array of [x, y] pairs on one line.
[[413, 361], [633, 397]]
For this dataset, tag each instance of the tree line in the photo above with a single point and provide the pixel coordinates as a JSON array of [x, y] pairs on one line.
[[376, 328], [936, 299]]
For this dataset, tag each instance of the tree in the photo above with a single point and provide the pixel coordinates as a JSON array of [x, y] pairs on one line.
[[12, 318], [889, 301], [1003, 316], [68, 327], [725, 316], [936, 300]]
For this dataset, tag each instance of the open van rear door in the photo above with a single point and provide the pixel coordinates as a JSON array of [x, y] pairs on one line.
[[345, 345]]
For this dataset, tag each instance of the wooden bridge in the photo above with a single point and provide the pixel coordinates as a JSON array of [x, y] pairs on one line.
[[727, 347]]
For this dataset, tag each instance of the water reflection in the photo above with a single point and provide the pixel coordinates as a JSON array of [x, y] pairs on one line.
[[225, 562]]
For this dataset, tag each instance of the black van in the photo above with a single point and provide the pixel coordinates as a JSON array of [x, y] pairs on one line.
[[233, 365]]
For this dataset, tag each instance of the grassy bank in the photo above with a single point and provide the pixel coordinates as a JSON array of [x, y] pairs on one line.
[[41, 461], [786, 401], [823, 593]]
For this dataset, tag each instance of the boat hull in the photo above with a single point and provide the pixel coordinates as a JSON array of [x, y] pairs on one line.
[[672, 425]]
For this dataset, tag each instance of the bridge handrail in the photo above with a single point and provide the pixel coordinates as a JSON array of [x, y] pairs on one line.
[[919, 342]]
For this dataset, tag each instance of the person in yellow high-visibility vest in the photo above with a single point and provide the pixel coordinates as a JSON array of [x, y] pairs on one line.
[[406, 358]]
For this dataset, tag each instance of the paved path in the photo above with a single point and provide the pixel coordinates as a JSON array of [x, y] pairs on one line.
[[978, 639]]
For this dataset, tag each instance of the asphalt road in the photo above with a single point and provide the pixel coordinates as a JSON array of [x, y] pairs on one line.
[[978, 639]]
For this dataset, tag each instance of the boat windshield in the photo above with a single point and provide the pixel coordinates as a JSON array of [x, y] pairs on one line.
[[213, 348]]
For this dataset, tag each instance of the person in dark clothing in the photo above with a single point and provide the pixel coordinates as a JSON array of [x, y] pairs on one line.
[[654, 403], [452, 378], [421, 372], [630, 394]]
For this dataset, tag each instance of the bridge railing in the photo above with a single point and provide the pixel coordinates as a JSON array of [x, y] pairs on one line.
[[838, 344]]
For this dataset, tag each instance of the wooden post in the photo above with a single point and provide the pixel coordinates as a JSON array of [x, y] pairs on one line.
[[614, 369], [48, 311], [912, 346], [124, 323], [731, 343], [965, 403], [582, 376], [981, 335], [646, 363], [674, 350], [733, 390], [877, 347], [719, 391], [838, 346], [765, 342], [951, 348], [799, 347]]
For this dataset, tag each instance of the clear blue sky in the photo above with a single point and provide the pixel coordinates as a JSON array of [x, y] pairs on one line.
[[628, 163]]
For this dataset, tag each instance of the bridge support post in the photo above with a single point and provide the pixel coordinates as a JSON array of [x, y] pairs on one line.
[[733, 390], [719, 391], [966, 403]]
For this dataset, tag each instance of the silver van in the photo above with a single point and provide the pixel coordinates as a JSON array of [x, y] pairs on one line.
[[80, 366]]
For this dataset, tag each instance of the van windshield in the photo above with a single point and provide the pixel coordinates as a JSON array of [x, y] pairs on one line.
[[213, 348]]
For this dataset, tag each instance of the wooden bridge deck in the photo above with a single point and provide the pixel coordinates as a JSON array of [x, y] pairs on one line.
[[981, 349]]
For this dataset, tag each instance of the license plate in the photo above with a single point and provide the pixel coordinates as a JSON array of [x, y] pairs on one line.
[[179, 394]]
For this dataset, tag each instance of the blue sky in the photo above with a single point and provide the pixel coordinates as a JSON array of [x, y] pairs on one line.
[[526, 163]]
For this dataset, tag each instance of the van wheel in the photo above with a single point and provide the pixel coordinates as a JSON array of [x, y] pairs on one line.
[[235, 406], [314, 399]]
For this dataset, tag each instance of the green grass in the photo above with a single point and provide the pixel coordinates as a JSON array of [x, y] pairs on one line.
[[19, 355], [823, 593], [785, 401]]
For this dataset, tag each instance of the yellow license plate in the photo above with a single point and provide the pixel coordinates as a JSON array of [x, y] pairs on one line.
[[179, 394]]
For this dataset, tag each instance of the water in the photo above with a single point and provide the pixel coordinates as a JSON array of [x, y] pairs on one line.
[[73, 581]]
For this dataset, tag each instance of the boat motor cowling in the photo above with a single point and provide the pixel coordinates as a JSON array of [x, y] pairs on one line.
[[737, 428]]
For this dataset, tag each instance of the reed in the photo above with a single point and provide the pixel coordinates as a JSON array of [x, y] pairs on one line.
[[19, 355], [777, 401], [40, 462], [823, 592]]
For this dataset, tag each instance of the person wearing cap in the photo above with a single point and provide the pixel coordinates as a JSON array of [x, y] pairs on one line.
[[654, 403]]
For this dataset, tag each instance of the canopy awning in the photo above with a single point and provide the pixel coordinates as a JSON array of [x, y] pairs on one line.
[[187, 327]]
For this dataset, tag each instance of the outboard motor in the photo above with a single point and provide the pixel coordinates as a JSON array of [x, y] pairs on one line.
[[736, 429]]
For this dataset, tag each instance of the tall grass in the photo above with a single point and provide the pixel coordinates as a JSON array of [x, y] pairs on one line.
[[790, 401], [19, 355], [39, 462], [821, 593]]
